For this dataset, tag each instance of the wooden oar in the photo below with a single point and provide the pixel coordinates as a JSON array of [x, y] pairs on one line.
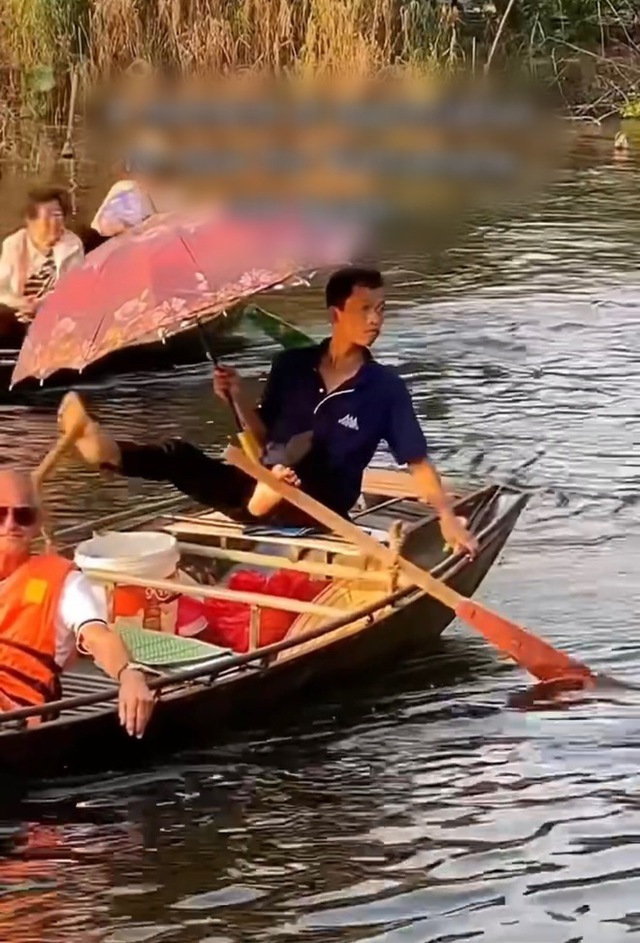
[[288, 335], [54, 455], [46, 466], [246, 438], [538, 657]]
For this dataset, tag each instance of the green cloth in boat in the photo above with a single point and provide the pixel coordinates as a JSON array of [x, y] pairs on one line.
[[159, 648]]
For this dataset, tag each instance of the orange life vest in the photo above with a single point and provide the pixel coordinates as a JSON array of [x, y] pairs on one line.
[[28, 606]]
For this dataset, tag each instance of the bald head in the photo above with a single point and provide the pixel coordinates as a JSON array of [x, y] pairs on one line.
[[16, 489]]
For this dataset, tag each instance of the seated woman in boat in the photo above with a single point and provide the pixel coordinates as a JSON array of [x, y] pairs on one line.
[[33, 258], [334, 396], [136, 195], [48, 612], [128, 203]]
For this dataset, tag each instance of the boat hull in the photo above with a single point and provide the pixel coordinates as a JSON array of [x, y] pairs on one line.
[[203, 713]]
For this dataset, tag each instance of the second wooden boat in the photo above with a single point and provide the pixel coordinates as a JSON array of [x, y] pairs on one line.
[[219, 336]]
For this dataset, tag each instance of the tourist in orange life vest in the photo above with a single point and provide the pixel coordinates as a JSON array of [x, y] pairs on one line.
[[48, 612]]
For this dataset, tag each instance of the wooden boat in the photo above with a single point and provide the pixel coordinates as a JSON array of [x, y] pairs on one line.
[[363, 618], [185, 349]]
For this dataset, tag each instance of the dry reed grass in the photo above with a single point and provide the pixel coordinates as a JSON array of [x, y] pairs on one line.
[[187, 37], [287, 38]]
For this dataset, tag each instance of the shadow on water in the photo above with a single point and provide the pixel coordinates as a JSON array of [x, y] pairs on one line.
[[309, 725]]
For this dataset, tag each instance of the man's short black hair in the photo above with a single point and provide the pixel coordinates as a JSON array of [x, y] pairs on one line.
[[341, 284], [37, 196]]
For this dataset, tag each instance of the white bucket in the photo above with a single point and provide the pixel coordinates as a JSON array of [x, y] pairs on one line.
[[144, 554]]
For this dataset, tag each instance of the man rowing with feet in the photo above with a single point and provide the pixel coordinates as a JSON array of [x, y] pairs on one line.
[[48, 610], [331, 403]]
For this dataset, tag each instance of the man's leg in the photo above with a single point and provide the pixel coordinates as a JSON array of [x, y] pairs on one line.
[[207, 480]]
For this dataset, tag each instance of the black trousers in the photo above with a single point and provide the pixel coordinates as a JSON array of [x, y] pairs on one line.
[[12, 331], [209, 481]]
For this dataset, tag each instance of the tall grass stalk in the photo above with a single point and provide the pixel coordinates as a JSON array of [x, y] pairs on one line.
[[100, 38]]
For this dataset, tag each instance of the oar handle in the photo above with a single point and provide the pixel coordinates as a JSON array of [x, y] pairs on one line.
[[54, 455]]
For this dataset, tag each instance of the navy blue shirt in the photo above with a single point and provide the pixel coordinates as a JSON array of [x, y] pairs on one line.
[[348, 424]]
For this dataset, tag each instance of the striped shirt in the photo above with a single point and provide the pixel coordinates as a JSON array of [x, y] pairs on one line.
[[40, 282]]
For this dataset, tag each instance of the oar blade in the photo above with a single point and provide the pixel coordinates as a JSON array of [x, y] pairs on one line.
[[538, 657], [282, 332]]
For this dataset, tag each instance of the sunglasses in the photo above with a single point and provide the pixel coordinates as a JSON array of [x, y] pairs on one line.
[[23, 515]]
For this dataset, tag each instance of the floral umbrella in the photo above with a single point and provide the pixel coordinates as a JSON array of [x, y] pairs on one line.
[[168, 274]]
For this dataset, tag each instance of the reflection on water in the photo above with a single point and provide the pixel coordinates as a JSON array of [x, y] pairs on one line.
[[423, 806]]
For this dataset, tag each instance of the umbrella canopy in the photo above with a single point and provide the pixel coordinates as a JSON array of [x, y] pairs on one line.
[[168, 274]]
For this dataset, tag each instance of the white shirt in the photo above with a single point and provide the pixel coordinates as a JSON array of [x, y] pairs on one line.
[[80, 602], [68, 252]]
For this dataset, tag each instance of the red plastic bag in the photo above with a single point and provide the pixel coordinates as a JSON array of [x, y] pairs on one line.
[[228, 622]]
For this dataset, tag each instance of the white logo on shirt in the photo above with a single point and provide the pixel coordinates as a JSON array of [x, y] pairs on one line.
[[350, 422]]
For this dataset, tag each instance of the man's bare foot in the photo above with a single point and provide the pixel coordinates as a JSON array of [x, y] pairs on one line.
[[263, 499], [94, 446]]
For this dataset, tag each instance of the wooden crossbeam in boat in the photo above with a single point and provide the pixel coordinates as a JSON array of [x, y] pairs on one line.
[[205, 527], [263, 600], [312, 567]]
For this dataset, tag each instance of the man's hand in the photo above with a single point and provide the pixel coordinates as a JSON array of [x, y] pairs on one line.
[[135, 703], [456, 535], [226, 383]]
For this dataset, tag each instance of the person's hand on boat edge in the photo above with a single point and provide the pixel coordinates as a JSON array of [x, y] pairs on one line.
[[456, 535], [135, 702]]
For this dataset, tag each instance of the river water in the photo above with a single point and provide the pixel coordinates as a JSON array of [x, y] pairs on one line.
[[421, 807]]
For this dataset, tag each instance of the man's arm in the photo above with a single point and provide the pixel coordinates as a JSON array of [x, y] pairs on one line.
[[255, 418], [110, 653], [428, 485], [409, 446], [84, 612]]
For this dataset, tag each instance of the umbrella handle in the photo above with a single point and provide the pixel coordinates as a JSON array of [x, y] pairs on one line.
[[246, 438]]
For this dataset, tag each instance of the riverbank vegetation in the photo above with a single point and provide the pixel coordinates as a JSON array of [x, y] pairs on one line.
[[586, 51]]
